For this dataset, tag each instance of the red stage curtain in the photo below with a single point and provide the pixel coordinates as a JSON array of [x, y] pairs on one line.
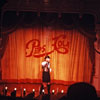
[[68, 49]]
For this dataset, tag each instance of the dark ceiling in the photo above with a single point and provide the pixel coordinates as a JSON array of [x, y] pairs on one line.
[[51, 5], [86, 11]]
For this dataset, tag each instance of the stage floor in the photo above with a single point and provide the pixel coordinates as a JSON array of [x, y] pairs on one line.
[[40, 97], [58, 96], [29, 85]]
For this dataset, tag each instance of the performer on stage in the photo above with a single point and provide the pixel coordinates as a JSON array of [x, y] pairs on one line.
[[46, 74]]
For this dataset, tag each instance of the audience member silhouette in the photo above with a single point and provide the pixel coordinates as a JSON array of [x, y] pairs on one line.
[[81, 91], [46, 97]]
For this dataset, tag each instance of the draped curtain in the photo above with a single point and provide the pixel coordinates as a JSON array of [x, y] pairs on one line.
[[69, 51]]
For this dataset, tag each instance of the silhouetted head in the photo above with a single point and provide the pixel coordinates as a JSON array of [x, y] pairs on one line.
[[81, 91], [46, 97]]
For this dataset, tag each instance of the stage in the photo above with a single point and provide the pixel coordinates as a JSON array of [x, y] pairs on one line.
[[29, 85], [41, 97], [58, 96], [57, 91], [26, 42]]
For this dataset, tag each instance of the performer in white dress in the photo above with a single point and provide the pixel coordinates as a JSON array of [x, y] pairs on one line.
[[46, 74]]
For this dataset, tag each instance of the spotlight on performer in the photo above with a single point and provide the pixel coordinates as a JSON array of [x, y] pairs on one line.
[[53, 91], [62, 91], [24, 92], [13, 93], [5, 91]]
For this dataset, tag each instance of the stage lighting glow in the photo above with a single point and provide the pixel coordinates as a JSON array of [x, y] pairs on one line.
[[33, 90], [24, 89], [46, 1], [15, 89], [62, 91], [24, 92], [6, 88], [13, 93], [43, 91], [53, 91]]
